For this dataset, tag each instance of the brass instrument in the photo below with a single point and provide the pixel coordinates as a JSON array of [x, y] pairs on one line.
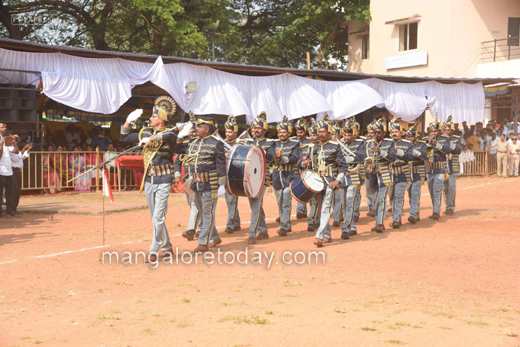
[[227, 146], [372, 162], [347, 151]]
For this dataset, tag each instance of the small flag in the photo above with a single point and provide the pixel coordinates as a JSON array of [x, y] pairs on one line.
[[107, 189]]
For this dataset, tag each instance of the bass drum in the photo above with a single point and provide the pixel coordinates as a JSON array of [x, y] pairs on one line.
[[306, 186], [245, 171]]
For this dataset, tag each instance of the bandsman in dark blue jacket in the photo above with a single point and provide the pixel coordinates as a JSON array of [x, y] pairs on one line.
[[233, 220], [313, 221], [185, 147], [370, 179], [301, 133], [379, 159], [285, 163], [357, 136], [401, 170], [258, 227], [353, 179], [330, 164], [159, 147], [438, 146], [417, 169], [452, 166], [337, 205], [208, 169]]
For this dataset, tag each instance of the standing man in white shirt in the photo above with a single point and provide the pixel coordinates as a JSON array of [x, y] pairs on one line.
[[7, 156], [17, 174]]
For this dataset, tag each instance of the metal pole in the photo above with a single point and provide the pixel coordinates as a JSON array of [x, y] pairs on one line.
[[516, 114], [495, 52]]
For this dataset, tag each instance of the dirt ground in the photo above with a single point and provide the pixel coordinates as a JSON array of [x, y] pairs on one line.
[[455, 282]]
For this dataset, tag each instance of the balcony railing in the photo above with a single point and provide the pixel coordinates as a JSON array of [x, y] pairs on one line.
[[500, 50]]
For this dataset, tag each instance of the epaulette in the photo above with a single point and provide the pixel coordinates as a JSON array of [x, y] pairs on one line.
[[358, 140], [405, 140], [334, 142], [294, 140], [444, 135], [388, 139], [457, 136], [421, 141], [362, 138]]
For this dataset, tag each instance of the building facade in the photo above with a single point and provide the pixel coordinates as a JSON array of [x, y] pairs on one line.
[[442, 38]]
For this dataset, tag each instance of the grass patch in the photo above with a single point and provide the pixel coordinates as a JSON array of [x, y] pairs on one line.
[[147, 330], [268, 312], [339, 310], [511, 333], [36, 342], [478, 323], [402, 324], [109, 317], [185, 300], [226, 303], [396, 342], [244, 320], [368, 329], [444, 327], [156, 314], [184, 324]]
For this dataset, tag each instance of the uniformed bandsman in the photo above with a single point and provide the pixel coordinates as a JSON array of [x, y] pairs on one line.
[[285, 161], [438, 146], [337, 206], [313, 221], [452, 166], [357, 136], [353, 179], [208, 170], [301, 134], [158, 154], [401, 170], [420, 153], [370, 180], [331, 166], [186, 146], [233, 220], [379, 157], [258, 227]]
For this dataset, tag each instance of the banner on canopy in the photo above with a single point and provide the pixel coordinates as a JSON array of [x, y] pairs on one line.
[[103, 85]]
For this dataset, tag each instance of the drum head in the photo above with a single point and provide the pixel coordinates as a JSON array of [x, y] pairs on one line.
[[254, 179], [313, 181]]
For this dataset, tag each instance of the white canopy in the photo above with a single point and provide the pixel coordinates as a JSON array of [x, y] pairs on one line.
[[103, 85]]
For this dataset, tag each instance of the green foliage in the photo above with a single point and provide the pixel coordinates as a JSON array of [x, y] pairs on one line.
[[257, 32]]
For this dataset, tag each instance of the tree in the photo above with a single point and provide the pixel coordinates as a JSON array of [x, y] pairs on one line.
[[257, 32]]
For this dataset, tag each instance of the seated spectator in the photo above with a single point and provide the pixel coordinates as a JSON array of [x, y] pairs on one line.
[[77, 166], [473, 140], [51, 177], [102, 140], [72, 136]]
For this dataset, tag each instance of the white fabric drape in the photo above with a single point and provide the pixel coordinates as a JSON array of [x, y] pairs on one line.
[[103, 85]]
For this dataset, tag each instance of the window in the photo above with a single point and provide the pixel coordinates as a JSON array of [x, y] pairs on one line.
[[408, 36], [365, 47]]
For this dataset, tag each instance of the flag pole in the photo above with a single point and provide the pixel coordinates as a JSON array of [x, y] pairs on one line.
[[104, 173]]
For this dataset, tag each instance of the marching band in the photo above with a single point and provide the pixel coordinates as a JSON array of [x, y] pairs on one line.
[[324, 166]]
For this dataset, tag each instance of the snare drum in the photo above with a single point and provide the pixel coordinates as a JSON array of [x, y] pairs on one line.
[[306, 186], [245, 171]]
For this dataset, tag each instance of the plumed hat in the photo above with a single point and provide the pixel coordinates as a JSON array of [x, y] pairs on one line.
[[261, 120], [231, 124], [325, 123], [285, 124], [164, 107]]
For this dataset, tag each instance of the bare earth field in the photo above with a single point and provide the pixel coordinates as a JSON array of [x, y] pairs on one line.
[[455, 282]]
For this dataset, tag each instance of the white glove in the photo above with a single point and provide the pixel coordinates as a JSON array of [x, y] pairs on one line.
[[349, 159], [221, 190], [132, 117], [144, 141], [185, 130]]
